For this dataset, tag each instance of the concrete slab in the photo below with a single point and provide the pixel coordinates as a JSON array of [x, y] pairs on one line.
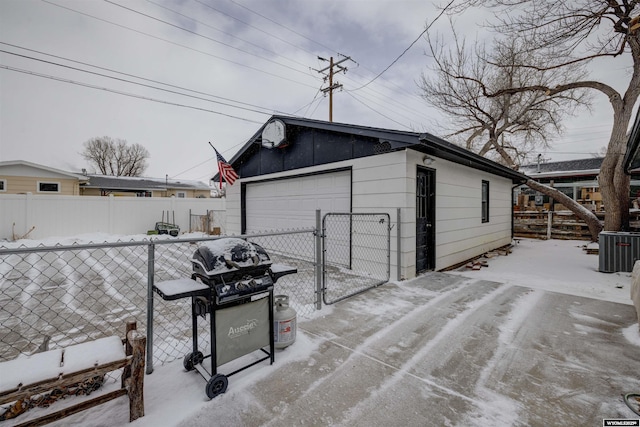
[[446, 350]]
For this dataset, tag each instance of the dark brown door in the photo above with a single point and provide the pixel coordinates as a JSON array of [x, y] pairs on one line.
[[425, 220]]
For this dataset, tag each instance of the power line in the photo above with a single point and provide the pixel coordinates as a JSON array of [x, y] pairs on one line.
[[283, 26], [252, 26], [391, 99], [33, 73], [269, 110], [132, 82], [178, 44], [407, 49], [203, 36], [225, 33], [377, 112]]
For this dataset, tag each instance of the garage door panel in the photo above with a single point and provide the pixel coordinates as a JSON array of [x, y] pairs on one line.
[[291, 203]]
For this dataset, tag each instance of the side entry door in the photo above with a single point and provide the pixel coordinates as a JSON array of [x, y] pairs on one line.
[[425, 220]]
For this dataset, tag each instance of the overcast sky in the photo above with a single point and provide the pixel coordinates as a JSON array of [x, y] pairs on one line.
[[234, 63]]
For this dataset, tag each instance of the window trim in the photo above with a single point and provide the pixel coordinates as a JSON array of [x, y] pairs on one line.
[[484, 204], [40, 183], [181, 194], [3, 187]]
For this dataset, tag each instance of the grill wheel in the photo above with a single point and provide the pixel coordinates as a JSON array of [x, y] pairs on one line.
[[192, 359], [216, 385]]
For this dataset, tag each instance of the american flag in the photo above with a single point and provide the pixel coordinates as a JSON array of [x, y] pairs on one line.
[[225, 169]]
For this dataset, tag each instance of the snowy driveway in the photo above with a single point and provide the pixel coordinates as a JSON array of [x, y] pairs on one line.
[[439, 350], [445, 350]]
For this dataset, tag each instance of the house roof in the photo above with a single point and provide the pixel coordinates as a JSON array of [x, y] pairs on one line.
[[388, 140], [106, 182], [577, 167], [24, 164]]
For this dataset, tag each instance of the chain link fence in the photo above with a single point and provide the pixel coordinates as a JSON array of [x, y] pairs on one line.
[[356, 253], [53, 297]]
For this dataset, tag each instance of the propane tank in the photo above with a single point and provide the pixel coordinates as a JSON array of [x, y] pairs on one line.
[[284, 322]]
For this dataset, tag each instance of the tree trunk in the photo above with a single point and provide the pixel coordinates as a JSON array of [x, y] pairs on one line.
[[613, 182], [595, 227]]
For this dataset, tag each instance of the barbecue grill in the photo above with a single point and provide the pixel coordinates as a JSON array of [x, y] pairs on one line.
[[232, 283]]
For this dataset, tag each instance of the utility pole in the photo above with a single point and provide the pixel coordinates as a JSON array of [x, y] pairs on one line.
[[332, 85]]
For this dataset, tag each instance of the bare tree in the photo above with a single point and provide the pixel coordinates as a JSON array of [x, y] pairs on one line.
[[565, 33], [116, 157], [506, 128], [509, 126]]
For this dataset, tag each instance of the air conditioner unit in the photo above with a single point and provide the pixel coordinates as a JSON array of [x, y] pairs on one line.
[[618, 251]]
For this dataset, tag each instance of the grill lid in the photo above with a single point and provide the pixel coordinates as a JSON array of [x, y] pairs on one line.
[[230, 255]]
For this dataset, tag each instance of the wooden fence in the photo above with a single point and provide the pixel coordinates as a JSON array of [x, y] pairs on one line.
[[559, 225]]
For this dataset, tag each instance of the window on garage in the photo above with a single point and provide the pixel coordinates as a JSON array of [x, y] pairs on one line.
[[485, 201], [3, 185]]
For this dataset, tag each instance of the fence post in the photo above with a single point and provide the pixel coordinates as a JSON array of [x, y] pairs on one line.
[[150, 277], [318, 260], [398, 246], [549, 223]]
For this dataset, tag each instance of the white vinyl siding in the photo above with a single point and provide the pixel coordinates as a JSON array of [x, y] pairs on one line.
[[460, 232], [385, 182]]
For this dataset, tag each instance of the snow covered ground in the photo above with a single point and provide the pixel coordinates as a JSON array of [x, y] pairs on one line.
[[558, 266], [397, 355]]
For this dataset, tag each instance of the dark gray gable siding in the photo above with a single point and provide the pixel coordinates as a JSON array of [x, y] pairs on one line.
[[308, 147]]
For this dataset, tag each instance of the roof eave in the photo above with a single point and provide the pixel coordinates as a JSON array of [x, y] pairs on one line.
[[452, 152]]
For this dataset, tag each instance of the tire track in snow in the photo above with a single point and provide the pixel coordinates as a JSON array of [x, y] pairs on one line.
[[492, 407], [374, 374], [401, 372]]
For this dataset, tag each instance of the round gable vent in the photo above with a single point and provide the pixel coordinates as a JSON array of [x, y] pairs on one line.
[[273, 134]]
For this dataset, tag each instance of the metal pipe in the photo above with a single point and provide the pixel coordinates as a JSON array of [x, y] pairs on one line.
[[150, 273], [399, 245], [318, 260]]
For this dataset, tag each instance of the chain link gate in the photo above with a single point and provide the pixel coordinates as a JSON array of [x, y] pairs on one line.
[[356, 253]]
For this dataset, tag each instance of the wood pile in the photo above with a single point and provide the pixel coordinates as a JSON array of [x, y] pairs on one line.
[[483, 261]]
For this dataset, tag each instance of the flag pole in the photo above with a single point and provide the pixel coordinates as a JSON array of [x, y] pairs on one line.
[[218, 163]]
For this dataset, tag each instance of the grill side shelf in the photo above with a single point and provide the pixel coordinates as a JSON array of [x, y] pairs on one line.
[[278, 270], [171, 290]]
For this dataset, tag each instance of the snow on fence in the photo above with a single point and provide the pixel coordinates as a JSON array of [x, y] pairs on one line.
[[42, 216], [53, 297]]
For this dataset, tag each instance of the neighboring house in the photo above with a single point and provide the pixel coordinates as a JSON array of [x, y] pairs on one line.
[[21, 177], [455, 205], [104, 185], [577, 179]]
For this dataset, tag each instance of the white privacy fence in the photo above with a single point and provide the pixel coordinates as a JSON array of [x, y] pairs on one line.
[[42, 216]]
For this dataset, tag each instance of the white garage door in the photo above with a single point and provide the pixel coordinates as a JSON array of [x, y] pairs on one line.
[[291, 203]]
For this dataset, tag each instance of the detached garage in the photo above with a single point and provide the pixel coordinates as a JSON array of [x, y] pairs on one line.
[[454, 204]]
